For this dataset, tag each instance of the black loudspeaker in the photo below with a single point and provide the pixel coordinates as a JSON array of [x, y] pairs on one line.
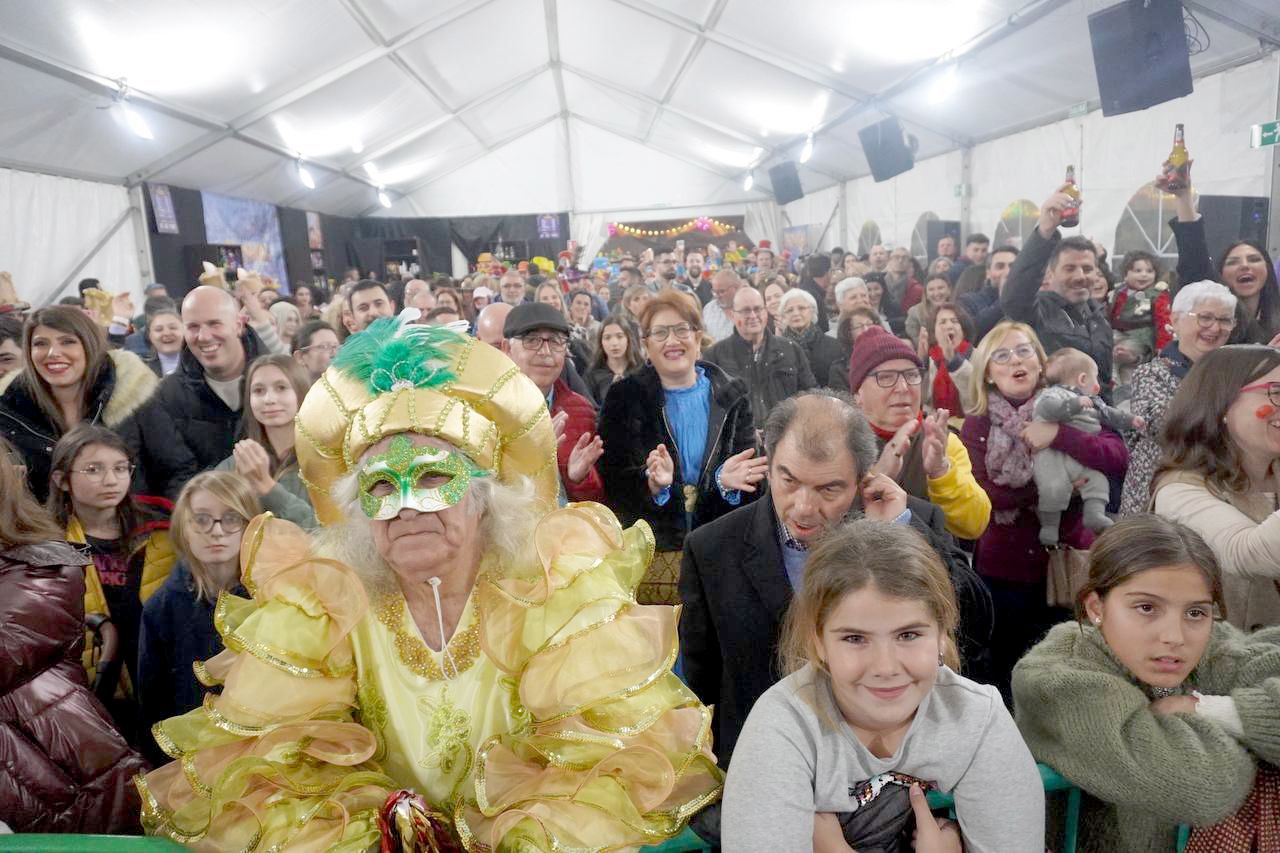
[[887, 150], [1140, 55], [786, 182], [935, 230], [1228, 218]]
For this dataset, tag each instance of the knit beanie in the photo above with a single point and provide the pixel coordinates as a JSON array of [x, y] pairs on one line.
[[873, 348]]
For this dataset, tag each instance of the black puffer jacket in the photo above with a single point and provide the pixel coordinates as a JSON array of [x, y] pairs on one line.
[[63, 768], [633, 422], [124, 385], [185, 428]]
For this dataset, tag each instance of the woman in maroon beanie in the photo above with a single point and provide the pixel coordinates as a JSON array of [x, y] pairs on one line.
[[918, 452], [1008, 368]]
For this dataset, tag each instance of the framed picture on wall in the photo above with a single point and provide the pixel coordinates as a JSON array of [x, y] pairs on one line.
[[163, 214], [315, 237]]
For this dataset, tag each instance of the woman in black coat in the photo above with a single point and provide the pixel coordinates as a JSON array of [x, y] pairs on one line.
[[798, 311], [679, 442]]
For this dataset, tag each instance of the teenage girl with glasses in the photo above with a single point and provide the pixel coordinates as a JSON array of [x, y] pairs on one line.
[[177, 623], [128, 542]]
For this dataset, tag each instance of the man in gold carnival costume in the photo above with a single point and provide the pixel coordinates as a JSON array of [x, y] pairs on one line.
[[548, 719]]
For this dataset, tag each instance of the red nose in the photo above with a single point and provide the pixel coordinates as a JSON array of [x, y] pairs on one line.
[[1265, 411]]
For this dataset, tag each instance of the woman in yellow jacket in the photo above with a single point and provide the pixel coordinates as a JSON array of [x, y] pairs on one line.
[[128, 541]]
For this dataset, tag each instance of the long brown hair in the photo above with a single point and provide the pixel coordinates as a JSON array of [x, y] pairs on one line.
[[69, 320], [253, 428], [1195, 438], [229, 488], [892, 558], [598, 357], [22, 520], [1139, 543], [65, 453]]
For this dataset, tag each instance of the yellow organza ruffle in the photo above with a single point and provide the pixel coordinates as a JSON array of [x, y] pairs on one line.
[[618, 750], [277, 758]]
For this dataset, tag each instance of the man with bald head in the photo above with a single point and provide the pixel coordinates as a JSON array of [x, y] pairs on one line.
[[489, 323], [191, 422]]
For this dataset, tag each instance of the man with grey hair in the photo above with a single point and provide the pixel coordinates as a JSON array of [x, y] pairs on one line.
[[740, 571], [717, 315]]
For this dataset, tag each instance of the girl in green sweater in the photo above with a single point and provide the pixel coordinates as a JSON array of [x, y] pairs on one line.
[[1158, 711]]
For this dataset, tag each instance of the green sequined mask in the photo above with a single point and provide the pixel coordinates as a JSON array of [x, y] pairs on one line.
[[393, 481]]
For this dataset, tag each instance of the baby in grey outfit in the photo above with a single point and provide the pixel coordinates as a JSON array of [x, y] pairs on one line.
[[1073, 399]]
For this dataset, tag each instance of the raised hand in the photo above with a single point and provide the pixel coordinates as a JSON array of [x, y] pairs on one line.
[[890, 462], [253, 464], [660, 469], [122, 306], [583, 457], [743, 470], [1051, 212], [882, 498], [936, 463]]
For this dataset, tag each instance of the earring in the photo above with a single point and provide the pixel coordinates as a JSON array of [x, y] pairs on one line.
[[940, 659], [1098, 621]]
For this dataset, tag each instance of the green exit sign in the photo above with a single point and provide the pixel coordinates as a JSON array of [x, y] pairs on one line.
[[1262, 135]]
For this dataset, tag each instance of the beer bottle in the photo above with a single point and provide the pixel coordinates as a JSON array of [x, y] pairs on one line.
[[1175, 174], [1071, 213]]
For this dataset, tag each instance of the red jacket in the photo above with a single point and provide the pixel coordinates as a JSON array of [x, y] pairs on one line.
[[582, 418], [66, 768], [1161, 316]]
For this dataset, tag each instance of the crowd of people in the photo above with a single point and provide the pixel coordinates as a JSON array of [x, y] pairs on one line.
[[927, 521]]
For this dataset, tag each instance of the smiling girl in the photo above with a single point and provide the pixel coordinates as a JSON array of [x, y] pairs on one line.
[[276, 385], [1160, 713], [68, 376], [837, 755], [616, 353], [164, 333]]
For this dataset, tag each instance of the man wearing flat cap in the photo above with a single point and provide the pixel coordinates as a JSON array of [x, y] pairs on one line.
[[537, 338]]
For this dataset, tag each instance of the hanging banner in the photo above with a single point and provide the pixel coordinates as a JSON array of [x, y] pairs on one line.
[[548, 227], [163, 214], [315, 237], [254, 225]]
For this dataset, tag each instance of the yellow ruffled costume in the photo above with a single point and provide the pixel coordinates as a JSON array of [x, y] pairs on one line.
[[568, 729]]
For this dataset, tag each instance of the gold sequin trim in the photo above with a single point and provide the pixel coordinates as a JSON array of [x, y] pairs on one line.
[[464, 646]]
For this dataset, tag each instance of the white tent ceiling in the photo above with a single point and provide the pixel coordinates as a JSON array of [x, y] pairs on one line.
[[507, 106]]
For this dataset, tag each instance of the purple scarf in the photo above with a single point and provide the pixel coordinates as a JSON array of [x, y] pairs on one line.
[[1008, 456]]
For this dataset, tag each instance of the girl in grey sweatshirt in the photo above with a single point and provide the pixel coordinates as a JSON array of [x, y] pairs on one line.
[[872, 708]]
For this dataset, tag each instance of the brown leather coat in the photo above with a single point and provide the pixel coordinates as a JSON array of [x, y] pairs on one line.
[[63, 768]]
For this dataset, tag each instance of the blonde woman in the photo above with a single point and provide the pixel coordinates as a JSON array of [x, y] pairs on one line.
[[177, 622]]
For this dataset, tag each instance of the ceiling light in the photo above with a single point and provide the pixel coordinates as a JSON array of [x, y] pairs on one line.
[[357, 146], [371, 169], [304, 175], [136, 122], [383, 198], [807, 151], [749, 182], [944, 86]]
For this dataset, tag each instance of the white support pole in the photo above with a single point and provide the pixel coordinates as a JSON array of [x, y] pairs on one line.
[[141, 235]]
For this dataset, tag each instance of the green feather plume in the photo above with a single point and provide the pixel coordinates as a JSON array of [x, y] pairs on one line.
[[387, 356]]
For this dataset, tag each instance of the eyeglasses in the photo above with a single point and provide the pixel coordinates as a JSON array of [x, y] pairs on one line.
[[1207, 321], [328, 349], [232, 522], [750, 312], [96, 473], [1022, 352], [889, 378], [553, 343], [659, 333], [1272, 389]]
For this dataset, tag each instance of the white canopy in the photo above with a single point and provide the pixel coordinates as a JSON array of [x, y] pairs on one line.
[[614, 109]]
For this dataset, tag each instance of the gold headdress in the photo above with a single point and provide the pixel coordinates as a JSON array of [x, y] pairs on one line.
[[394, 378]]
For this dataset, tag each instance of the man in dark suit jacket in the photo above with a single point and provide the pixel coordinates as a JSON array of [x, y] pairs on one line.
[[739, 571]]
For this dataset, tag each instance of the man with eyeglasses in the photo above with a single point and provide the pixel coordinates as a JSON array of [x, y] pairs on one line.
[[1063, 313], [773, 367], [717, 315], [537, 338]]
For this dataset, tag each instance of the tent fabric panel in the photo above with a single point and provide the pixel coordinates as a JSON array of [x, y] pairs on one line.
[[522, 106], [48, 224], [433, 154], [481, 50], [621, 45], [609, 107], [379, 101], [230, 164]]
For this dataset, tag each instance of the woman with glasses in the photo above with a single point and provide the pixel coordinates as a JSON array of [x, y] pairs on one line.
[[679, 440], [798, 311], [1203, 317], [314, 347], [886, 378], [177, 622], [69, 375], [1008, 370], [1218, 475], [127, 540]]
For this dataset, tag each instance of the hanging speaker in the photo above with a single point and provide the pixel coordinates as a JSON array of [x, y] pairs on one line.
[[785, 180], [1140, 55], [887, 148]]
